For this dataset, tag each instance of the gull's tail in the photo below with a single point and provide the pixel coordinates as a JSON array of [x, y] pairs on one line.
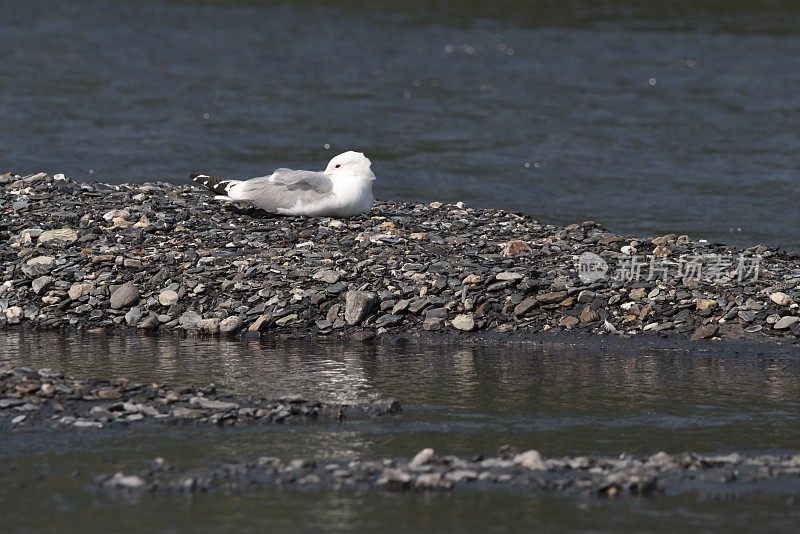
[[220, 186]]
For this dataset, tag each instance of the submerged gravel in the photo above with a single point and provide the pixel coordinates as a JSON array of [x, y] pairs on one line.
[[588, 476], [45, 397], [167, 257]]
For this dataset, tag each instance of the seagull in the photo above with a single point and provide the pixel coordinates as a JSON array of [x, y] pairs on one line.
[[343, 189]]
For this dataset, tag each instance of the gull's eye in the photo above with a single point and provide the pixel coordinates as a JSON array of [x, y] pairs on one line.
[[338, 165]]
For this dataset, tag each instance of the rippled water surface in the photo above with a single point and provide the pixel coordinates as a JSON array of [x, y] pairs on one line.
[[650, 117], [458, 399]]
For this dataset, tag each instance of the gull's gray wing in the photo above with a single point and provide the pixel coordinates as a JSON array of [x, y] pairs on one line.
[[284, 189]]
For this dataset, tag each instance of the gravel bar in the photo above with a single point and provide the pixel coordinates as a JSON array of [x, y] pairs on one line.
[[45, 397], [160, 256], [585, 476]]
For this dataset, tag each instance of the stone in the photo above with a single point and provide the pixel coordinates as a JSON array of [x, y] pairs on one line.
[[327, 275], [515, 247], [747, 316], [210, 326], [423, 457], [260, 324], [780, 298], [168, 297], [464, 321], [638, 293], [525, 306], [116, 214], [507, 276], [189, 319], [64, 236], [786, 322], [76, 291], [231, 325], [705, 304], [471, 280], [42, 284], [569, 321], [588, 315], [553, 297], [133, 316], [531, 459], [287, 319], [208, 404], [41, 261], [705, 331], [357, 305], [125, 295]]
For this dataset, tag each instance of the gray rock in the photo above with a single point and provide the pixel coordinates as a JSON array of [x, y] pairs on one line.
[[786, 322], [525, 306], [357, 305], [328, 276], [210, 326], [133, 316], [231, 325], [126, 295], [705, 331], [190, 319], [208, 404], [42, 284]]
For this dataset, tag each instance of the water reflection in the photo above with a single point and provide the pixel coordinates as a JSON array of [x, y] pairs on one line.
[[519, 383]]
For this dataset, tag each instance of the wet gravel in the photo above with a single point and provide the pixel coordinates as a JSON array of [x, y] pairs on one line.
[[167, 257], [587, 476], [31, 398]]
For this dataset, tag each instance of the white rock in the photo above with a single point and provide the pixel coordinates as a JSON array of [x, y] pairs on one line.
[[423, 457], [508, 276], [786, 322], [780, 298], [78, 290], [168, 297], [531, 459], [66, 236], [464, 322], [111, 215]]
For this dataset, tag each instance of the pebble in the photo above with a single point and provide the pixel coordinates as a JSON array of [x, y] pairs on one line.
[[78, 290], [780, 298], [602, 477], [168, 297], [42, 284], [786, 322], [531, 459], [231, 325], [94, 403], [64, 236], [402, 269], [126, 295], [464, 321], [357, 305], [705, 332]]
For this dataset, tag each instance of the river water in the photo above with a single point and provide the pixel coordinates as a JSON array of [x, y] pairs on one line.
[[649, 117], [458, 399]]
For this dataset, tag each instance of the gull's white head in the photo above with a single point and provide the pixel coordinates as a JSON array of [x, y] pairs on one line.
[[350, 165]]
